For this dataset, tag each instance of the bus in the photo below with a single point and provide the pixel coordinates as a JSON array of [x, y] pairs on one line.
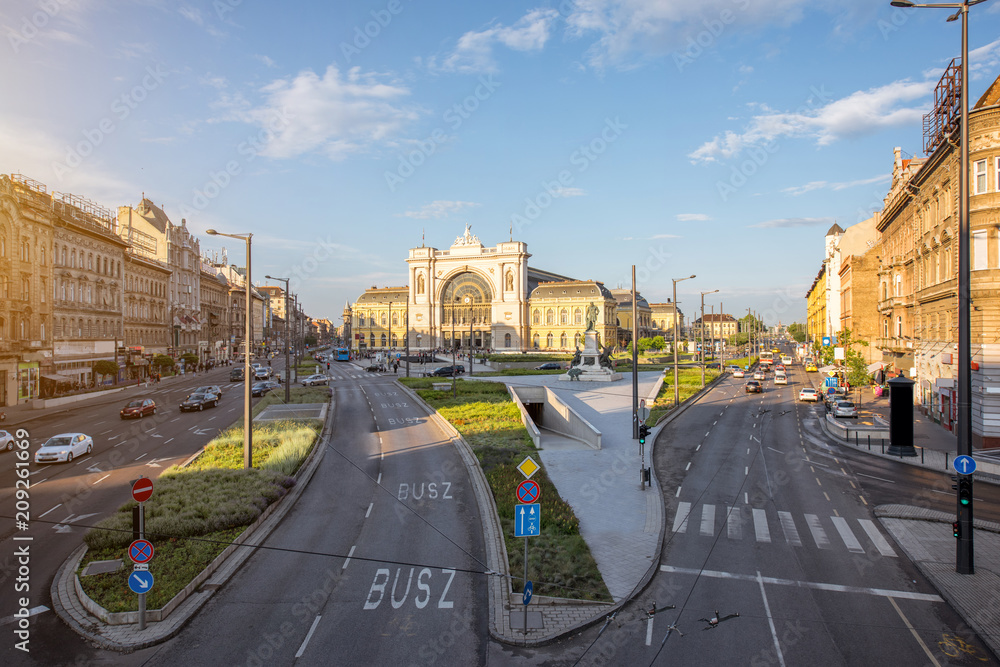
[[343, 354], [766, 360]]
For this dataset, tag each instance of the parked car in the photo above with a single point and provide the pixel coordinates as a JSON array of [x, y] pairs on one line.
[[64, 447], [199, 402], [808, 394], [738, 373], [448, 371], [236, 375], [138, 408], [845, 409], [209, 389], [753, 387], [549, 366], [759, 375], [6, 441], [311, 380], [261, 388]]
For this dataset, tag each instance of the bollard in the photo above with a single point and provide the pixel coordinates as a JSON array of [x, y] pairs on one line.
[[946, 460], [883, 445], [855, 438], [869, 441], [921, 455]]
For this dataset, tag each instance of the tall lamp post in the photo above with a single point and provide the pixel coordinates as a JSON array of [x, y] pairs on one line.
[[248, 339], [677, 390], [703, 335], [964, 561], [288, 374]]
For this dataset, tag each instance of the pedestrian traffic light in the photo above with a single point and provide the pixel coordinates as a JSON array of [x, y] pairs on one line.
[[643, 432], [965, 491], [956, 529]]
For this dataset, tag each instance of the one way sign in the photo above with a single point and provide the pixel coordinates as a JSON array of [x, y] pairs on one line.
[[528, 520]]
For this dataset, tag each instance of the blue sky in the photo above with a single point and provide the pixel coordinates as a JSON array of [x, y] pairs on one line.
[[720, 138]]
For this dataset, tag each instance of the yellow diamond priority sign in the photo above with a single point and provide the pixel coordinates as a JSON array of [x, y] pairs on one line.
[[528, 467]]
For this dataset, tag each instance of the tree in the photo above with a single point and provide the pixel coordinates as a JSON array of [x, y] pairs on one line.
[[310, 340], [645, 344], [658, 343], [163, 361], [106, 367], [797, 332]]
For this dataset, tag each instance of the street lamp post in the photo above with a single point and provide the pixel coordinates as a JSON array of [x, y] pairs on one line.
[[965, 561], [288, 374], [248, 338], [703, 335], [677, 391]]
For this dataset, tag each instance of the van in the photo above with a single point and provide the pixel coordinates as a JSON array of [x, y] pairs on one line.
[[780, 378]]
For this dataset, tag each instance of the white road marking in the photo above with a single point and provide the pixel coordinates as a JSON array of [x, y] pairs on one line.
[[706, 433], [102, 479], [840, 523], [746, 498], [760, 526], [649, 631], [880, 542], [914, 633], [734, 524], [819, 535], [770, 621], [167, 442], [881, 479], [776, 450], [678, 494], [708, 520], [34, 611], [379, 480], [698, 447], [349, 554], [54, 508], [746, 470], [688, 466], [879, 592], [139, 457], [681, 518], [370, 505], [302, 648], [788, 526]]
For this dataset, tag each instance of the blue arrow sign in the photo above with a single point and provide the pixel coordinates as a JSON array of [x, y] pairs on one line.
[[140, 581], [528, 520], [528, 588], [965, 465]]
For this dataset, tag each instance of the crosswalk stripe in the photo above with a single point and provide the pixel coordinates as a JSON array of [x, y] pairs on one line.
[[760, 526], [840, 523], [681, 519], [819, 535], [734, 524], [880, 542], [791, 532], [708, 520]]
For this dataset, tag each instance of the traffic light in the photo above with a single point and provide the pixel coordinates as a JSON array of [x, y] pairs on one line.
[[965, 491], [643, 432], [956, 529]]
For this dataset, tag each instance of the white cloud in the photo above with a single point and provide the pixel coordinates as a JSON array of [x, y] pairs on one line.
[[568, 192], [859, 113], [333, 114], [660, 237], [474, 51], [439, 209], [823, 185], [794, 222], [984, 61], [689, 217], [264, 59]]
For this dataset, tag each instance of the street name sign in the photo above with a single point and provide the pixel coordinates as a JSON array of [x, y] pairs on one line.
[[528, 520]]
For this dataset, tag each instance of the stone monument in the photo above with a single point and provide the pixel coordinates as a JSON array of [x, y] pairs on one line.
[[592, 364]]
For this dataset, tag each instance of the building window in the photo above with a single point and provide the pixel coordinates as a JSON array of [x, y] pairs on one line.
[[564, 316], [534, 341], [536, 317], [996, 176], [979, 246], [979, 177], [562, 341], [383, 340], [4, 287], [506, 340], [44, 289], [885, 328], [898, 286], [25, 289], [899, 326], [548, 340], [550, 317]]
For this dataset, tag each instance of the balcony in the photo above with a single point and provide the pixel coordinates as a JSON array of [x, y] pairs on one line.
[[894, 302]]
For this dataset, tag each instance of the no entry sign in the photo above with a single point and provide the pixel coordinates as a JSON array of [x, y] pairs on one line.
[[528, 491], [142, 489]]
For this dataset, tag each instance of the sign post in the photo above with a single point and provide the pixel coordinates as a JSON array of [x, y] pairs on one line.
[[527, 520], [141, 550]]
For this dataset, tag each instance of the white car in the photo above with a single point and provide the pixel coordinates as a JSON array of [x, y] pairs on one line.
[[6, 441], [809, 394], [737, 373], [311, 380], [780, 378], [845, 409], [64, 447], [759, 375]]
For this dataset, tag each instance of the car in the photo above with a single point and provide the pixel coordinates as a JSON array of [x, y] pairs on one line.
[[811, 367], [138, 408], [809, 394], [549, 366], [209, 389], [738, 373], [262, 373], [448, 371], [780, 368], [753, 387], [780, 378], [759, 375], [6, 441], [261, 388], [845, 409], [64, 447], [236, 375], [198, 402], [311, 380]]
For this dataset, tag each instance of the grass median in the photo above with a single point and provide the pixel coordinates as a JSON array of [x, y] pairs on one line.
[[559, 560], [198, 510]]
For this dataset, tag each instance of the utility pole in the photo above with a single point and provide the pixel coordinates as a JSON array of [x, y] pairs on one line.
[[635, 360]]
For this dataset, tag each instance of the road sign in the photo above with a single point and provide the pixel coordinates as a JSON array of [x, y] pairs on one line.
[[528, 588], [528, 520], [140, 551], [142, 489], [528, 467], [643, 414], [965, 465], [826, 341], [528, 491], [141, 581], [830, 382]]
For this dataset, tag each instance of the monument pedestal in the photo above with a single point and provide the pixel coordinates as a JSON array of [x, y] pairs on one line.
[[589, 368]]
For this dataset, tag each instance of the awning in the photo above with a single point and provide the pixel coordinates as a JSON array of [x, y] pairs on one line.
[[877, 366], [828, 369], [63, 379]]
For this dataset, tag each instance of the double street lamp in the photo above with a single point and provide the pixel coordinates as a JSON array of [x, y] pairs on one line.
[[677, 314], [248, 339], [288, 368], [964, 551], [703, 335]]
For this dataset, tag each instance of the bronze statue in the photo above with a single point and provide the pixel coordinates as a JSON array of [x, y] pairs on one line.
[[605, 360], [576, 358], [592, 314]]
